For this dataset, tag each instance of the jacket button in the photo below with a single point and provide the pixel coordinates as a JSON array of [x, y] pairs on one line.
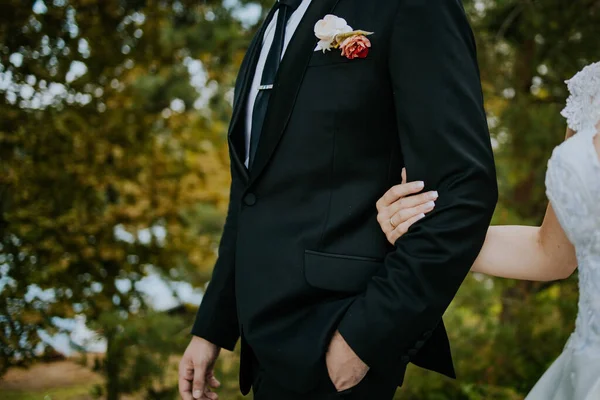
[[412, 352], [427, 334], [419, 344], [250, 199], [404, 359]]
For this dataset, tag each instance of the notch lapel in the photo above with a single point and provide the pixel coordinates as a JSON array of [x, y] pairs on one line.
[[287, 84], [246, 75]]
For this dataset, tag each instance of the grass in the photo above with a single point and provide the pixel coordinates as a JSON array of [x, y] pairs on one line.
[[79, 392]]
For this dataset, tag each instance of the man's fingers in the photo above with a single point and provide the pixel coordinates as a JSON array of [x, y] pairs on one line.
[[199, 385], [211, 396], [399, 191], [403, 175], [186, 371], [196, 370], [185, 388], [186, 375], [203, 381], [213, 382]]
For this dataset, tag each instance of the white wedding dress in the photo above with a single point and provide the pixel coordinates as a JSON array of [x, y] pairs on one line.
[[573, 187]]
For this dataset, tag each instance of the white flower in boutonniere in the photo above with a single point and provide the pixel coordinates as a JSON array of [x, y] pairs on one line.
[[327, 29], [335, 33]]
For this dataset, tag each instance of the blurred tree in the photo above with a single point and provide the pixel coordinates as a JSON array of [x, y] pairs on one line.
[[114, 163], [139, 352]]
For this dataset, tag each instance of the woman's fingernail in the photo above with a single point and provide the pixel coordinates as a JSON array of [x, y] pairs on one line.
[[420, 216], [420, 184], [429, 205], [197, 394], [433, 195]]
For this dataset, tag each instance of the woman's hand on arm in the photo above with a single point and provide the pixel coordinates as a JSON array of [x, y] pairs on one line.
[[517, 252], [402, 206]]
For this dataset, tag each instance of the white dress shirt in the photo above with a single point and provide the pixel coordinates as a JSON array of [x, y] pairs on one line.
[[290, 28]]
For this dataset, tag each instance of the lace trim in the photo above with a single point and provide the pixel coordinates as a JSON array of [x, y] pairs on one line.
[[583, 105]]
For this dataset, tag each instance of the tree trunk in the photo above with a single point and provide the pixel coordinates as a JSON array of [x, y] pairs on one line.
[[111, 368]]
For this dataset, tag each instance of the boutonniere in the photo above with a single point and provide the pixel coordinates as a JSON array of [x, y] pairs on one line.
[[335, 33]]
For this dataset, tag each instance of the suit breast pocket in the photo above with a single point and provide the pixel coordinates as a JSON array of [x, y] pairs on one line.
[[333, 57], [335, 84], [339, 272]]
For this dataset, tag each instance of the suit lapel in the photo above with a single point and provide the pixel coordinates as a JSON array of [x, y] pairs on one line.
[[288, 81], [236, 133]]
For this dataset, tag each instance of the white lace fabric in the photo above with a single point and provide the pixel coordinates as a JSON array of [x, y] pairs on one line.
[[573, 187], [583, 105]]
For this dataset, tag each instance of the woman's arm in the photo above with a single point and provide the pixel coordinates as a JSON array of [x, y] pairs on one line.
[[519, 252], [527, 253], [510, 251]]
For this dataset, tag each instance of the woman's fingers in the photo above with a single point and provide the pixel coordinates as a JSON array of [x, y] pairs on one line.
[[410, 202], [405, 214], [396, 219], [403, 228], [399, 191], [403, 205], [395, 214]]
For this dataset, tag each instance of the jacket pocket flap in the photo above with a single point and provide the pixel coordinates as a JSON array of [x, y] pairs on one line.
[[338, 272]]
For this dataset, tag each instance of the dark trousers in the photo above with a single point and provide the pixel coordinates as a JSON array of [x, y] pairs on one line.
[[373, 387]]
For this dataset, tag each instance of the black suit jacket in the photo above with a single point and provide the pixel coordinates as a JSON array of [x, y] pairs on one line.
[[302, 253]]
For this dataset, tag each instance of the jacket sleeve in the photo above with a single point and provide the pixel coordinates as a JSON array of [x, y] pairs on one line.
[[217, 319], [445, 142]]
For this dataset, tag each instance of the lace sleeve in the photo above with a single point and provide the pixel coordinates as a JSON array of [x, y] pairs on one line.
[[583, 105]]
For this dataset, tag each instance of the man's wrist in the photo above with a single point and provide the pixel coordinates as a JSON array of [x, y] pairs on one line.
[[223, 338], [204, 342]]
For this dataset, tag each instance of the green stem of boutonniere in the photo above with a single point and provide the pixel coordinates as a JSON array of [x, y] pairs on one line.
[[339, 38]]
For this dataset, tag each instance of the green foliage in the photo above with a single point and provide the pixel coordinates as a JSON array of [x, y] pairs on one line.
[[139, 353], [107, 167], [113, 163]]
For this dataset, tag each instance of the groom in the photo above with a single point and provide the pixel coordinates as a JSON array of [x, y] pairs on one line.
[[324, 306]]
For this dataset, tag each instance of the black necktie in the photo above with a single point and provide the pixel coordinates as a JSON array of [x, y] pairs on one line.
[[285, 8]]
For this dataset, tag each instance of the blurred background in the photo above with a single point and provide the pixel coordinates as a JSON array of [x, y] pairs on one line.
[[114, 183]]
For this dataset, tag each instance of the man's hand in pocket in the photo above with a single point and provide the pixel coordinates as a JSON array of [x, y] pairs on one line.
[[345, 369]]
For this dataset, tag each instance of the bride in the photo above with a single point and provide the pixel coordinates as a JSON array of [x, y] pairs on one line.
[[569, 235]]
